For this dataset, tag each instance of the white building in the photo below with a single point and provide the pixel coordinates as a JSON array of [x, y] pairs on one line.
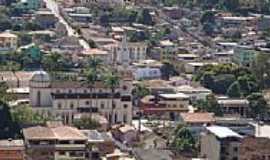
[[220, 143], [147, 69], [63, 100]]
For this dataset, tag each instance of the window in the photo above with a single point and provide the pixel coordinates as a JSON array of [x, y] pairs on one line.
[[59, 105], [102, 105], [57, 91], [235, 158], [124, 88], [38, 98], [70, 91], [125, 106], [235, 149], [87, 103], [85, 91], [125, 118], [62, 153], [115, 118], [71, 105]]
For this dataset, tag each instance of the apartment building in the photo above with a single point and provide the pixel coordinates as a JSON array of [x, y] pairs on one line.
[[62, 142], [220, 143], [168, 105], [12, 150]]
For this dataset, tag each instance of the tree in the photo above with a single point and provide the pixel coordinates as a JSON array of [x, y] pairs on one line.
[[208, 17], [112, 81], [261, 69], [91, 78], [258, 106], [86, 122], [4, 96], [24, 39], [24, 116], [144, 17], [9, 129], [209, 105], [55, 62], [234, 90], [183, 140], [140, 91]]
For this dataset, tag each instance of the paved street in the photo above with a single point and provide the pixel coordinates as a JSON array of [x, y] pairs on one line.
[[53, 6]]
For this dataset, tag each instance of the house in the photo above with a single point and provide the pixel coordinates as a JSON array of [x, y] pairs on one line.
[[18, 79], [224, 57], [220, 143], [45, 19], [29, 4], [236, 22], [193, 67], [172, 12], [101, 3], [157, 86], [243, 126], [8, 41], [147, 69], [81, 18], [194, 92], [234, 107], [125, 133], [64, 99], [103, 55], [187, 57], [254, 148], [169, 105], [244, 55], [55, 143], [196, 122], [12, 149], [101, 141], [68, 44]]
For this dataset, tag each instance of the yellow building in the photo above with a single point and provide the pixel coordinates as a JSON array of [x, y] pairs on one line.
[[8, 41]]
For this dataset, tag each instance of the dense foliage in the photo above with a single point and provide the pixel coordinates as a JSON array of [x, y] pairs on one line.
[[183, 140], [227, 79]]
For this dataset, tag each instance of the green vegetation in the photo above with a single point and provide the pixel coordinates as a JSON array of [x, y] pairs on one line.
[[262, 6], [112, 81], [24, 115], [86, 122], [125, 15], [209, 105], [9, 128], [183, 141], [227, 79], [258, 106]]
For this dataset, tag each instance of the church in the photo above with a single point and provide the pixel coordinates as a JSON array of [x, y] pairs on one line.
[[63, 100]]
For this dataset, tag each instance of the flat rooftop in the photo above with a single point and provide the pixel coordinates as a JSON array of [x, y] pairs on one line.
[[223, 132]]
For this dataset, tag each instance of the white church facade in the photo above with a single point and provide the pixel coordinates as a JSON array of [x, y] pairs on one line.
[[64, 100]]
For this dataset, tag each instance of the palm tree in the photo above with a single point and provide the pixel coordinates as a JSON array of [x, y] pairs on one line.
[[90, 81], [96, 66], [112, 81], [139, 92]]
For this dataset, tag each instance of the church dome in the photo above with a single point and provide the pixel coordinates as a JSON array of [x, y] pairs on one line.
[[40, 76]]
